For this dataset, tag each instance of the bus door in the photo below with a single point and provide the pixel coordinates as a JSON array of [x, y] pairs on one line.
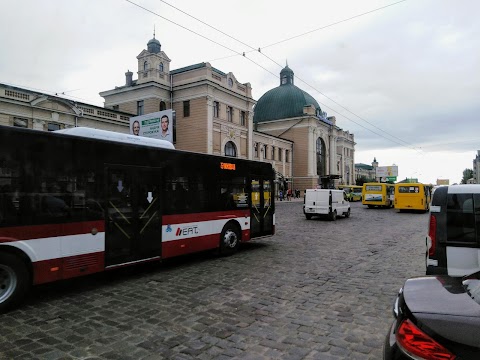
[[261, 218], [133, 214]]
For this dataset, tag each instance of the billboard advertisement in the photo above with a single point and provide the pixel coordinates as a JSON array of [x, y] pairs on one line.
[[386, 171], [157, 125], [443, 182]]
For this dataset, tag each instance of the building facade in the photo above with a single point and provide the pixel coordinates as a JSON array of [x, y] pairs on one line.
[[476, 168], [365, 171], [213, 109], [39, 111], [323, 153]]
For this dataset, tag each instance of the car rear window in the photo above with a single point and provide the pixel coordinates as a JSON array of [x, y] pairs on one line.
[[463, 211], [408, 189]]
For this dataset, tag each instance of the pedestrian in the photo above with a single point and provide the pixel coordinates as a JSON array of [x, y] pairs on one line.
[[289, 194], [281, 195]]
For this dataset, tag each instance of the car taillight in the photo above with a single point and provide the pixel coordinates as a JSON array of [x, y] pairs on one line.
[[432, 233], [415, 342]]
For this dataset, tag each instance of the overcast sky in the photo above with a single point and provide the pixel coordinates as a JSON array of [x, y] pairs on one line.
[[403, 76]]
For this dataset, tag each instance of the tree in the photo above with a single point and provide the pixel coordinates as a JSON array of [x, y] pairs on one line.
[[467, 174]]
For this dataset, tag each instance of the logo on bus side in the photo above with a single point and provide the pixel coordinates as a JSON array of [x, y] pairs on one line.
[[188, 230]]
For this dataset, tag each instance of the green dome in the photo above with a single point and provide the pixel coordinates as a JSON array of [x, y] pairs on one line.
[[283, 102]]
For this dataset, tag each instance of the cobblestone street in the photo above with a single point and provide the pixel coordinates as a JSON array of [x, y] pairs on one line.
[[316, 290]]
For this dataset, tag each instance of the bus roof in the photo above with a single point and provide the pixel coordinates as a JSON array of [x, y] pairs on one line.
[[115, 136]]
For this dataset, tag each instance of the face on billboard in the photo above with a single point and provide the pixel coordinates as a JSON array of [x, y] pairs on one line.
[[136, 128], [165, 122]]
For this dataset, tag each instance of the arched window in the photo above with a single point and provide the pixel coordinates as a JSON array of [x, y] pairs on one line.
[[163, 106], [230, 149], [145, 66], [160, 67], [321, 157]]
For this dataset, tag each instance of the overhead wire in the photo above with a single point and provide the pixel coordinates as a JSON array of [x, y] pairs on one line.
[[411, 146]]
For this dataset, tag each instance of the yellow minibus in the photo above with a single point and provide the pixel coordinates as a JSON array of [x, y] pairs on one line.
[[412, 196], [354, 192], [378, 194]]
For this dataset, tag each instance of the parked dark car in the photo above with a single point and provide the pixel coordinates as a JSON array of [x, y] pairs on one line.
[[436, 317]]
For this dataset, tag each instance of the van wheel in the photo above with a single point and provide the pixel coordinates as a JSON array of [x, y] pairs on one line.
[[14, 281], [229, 239], [308, 216], [370, 206], [333, 215], [347, 214]]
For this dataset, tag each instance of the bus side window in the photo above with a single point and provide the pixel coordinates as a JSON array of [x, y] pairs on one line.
[[8, 211]]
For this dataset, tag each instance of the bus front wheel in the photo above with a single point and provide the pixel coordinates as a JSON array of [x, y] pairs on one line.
[[14, 281], [229, 239]]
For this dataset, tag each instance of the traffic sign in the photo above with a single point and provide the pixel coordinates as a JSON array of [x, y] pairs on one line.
[[391, 178]]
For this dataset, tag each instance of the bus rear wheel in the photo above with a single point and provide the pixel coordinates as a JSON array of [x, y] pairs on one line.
[[14, 281], [229, 239]]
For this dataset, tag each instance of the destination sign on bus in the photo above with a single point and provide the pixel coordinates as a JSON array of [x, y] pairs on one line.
[[227, 166]]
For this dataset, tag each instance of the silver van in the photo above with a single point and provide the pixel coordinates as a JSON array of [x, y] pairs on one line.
[[453, 240]]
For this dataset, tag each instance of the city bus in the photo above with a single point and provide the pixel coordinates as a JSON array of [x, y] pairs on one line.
[[80, 201], [412, 196], [354, 192], [378, 195]]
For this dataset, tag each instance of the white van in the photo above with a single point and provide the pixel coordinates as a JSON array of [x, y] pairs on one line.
[[325, 202], [453, 240]]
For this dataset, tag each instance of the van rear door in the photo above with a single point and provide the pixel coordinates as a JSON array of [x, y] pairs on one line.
[[454, 245]]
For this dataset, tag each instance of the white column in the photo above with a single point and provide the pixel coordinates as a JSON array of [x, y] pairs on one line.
[[333, 155], [210, 125]]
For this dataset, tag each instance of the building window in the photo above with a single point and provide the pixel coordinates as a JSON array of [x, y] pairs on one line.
[[186, 108], [230, 114], [242, 118], [286, 156], [18, 122], [140, 106], [255, 150], [273, 152], [115, 107], [230, 149], [145, 66], [321, 157], [216, 109], [161, 67], [279, 154], [163, 106], [53, 126]]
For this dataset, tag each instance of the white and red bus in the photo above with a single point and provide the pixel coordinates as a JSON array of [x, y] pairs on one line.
[[79, 201]]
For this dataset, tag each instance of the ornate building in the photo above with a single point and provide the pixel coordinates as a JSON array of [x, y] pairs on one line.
[[215, 114], [213, 109], [323, 153], [368, 172]]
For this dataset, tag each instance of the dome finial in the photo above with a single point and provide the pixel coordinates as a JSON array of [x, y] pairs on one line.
[[286, 62], [154, 31]]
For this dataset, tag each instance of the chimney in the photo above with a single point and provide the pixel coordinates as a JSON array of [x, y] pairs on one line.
[[128, 78]]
